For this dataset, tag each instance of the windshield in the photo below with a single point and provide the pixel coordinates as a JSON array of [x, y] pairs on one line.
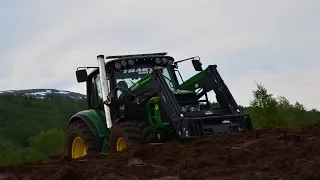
[[128, 77]]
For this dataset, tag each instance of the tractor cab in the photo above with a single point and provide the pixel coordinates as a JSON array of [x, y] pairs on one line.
[[134, 73], [130, 72]]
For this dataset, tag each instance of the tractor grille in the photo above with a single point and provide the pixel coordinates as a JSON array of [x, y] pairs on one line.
[[187, 99]]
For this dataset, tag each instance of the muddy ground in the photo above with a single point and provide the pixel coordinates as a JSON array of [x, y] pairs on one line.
[[261, 154]]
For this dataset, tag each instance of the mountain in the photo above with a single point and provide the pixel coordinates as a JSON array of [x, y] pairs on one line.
[[44, 93]]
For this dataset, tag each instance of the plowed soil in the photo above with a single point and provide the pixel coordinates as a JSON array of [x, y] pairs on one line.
[[261, 154]]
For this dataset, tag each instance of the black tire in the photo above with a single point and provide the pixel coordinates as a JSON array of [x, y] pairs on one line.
[[134, 132], [82, 130]]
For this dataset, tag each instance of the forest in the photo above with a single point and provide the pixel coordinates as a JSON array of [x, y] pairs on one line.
[[33, 129]]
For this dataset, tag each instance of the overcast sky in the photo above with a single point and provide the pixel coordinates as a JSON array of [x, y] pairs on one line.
[[276, 43]]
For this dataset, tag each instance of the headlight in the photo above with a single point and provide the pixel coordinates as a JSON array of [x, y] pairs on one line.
[[226, 122], [190, 108], [158, 61], [131, 62], [117, 65], [124, 63], [164, 60], [183, 109]]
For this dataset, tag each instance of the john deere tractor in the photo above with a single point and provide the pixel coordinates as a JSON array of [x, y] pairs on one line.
[[137, 99]]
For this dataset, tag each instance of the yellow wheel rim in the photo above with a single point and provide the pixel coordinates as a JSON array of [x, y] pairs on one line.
[[78, 148], [121, 144]]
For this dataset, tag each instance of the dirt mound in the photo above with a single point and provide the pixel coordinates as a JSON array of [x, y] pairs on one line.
[[261, 154]]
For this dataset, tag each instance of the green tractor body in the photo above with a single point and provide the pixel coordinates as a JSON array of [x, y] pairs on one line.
[[137, 99]]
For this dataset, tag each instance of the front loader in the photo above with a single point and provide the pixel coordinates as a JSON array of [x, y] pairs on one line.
[[137, 99]]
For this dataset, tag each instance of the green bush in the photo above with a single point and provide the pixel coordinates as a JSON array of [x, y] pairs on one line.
[[45, 144], [10, 153]]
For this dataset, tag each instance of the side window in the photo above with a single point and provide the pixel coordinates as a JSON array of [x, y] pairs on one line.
[[179, 77], [98, 89], [167, 77], [118, 92]]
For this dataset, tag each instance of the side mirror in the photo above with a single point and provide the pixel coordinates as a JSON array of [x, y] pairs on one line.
[[197, 65], [82, 75]]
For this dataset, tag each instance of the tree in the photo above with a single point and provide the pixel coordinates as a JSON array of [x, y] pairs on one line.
[[265, 110], [268, 111]]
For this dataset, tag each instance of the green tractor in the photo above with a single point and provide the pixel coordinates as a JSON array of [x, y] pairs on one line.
[[137, 99]]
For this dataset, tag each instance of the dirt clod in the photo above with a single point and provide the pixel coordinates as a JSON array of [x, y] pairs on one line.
[[264, 154], [166, 178], [65, 173], [7, 176]]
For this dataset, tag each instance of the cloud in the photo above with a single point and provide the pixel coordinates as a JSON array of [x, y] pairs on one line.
[[272, 42]]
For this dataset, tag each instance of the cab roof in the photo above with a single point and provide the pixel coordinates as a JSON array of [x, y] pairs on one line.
[[117, 58], [137, 56]]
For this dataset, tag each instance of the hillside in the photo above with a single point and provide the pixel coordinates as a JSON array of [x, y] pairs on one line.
[[22, 116], [44, 93]]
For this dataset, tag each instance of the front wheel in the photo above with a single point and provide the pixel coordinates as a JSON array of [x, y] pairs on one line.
[[80, 140], [130, 134]]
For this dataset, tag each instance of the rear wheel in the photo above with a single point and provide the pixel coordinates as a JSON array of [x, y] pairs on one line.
[[80, 140], [130, 134]]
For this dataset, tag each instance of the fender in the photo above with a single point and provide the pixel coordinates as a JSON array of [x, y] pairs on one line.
[[94, 119]]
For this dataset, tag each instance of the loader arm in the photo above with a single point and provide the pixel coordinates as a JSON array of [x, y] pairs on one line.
[[210, 79], [155, 85], [188, 125]]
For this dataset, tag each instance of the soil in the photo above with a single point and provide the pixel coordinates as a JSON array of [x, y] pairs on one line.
[[274, 153]]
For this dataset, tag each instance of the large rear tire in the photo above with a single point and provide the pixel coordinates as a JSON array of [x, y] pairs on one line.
[[130, 134], [80, 140]]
